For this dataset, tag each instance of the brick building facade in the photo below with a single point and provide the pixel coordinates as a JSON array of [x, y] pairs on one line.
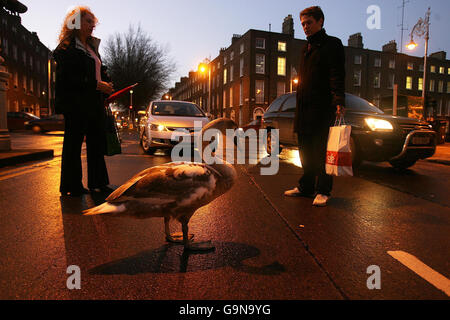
[[30, 88]]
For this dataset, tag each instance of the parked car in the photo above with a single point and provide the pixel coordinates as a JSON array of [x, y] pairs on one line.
[[255, 124], [16, 120], [52, 123], [163, 118], [375, 136]]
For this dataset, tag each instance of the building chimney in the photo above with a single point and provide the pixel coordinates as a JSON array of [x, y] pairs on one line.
[[441, 55], [390, 47], [288, 26], [356, 40], [235, 38]]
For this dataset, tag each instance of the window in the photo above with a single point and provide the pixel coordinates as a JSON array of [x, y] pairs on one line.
[[448, 70], [224, 99], [281, 88], [377, 62], [5, 46], [224, 75], [431, 85], [281, 66], [391, 81], [421, 67], [376, 100], [376, 80], [282, 46], [242, 47], [24, 57], [448, 88], [433, 69], [231, 96], [24, 83], [260, 63], [241, 94], [420, 84], [391, 64], [16, 79], [224, 60], [259, 91], [409, 83], [441, 86], [410, 66], [231, 72], [231, 55], [241, 67], [441, 70], [357, 78], [260, 43], [14, 52], [357, 59]]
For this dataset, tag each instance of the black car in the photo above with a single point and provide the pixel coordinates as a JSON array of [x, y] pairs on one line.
[[375, 136], [52, 123], [17, 120]]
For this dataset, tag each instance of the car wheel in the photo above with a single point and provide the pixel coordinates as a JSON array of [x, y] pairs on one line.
[[269, 144], [36, 129], [145, 143], [356, 156], [402, 164]]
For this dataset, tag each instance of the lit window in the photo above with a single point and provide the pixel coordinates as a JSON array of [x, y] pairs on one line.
[[282, 46], [431, 85], [410, 66], [420, 84], [231, 97], [281, 66], [260, 63], [259, 91], [433, 69], [224, 75], [376, 80], [260, 43], [441, 70], [409, 81]]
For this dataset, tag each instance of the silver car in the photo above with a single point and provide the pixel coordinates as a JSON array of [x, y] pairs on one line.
[[167, 121]]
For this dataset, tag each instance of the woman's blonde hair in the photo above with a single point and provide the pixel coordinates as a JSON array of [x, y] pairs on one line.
[[68, 31]]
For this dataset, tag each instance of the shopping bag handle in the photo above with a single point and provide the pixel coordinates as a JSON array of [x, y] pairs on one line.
[[340, 121]]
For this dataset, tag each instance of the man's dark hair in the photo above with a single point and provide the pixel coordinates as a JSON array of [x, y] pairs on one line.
[[315, 12]]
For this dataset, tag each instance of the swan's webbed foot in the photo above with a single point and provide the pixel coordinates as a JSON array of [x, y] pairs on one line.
[[177, 237]]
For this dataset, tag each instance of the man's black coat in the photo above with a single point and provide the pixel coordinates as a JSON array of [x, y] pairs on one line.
[[321, 84]]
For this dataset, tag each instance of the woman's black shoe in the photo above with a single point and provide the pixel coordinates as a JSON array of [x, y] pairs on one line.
[[75, 193]]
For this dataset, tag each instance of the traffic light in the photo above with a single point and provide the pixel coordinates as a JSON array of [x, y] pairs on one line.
[[131, 107]]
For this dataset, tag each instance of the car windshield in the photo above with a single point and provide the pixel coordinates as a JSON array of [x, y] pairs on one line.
[[177, 109], [358, 104]]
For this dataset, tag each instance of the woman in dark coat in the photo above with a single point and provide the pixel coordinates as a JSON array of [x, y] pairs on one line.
[[81, 87]]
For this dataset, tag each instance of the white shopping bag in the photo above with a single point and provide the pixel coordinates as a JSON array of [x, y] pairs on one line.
[[339, 156]]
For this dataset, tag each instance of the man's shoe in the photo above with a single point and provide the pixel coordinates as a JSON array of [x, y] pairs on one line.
[[321, 200], [296, 192]]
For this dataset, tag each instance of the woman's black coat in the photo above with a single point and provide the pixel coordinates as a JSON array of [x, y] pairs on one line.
[[76, 83]]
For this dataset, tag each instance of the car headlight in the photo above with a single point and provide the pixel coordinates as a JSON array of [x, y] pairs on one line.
[[158, 127], [379, 124]]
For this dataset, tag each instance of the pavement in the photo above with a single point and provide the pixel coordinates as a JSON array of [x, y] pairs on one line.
[[22, 155]]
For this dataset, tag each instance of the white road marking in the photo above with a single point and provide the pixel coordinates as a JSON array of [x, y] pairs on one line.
[[424, 271]]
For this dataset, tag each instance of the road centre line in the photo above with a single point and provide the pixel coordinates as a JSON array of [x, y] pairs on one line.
[[28, 169], [421, 269]]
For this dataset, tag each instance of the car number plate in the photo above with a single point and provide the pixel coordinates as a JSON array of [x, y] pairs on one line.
[[420, 140]]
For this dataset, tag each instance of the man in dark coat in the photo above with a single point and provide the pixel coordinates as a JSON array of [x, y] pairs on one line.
[[320, 97]]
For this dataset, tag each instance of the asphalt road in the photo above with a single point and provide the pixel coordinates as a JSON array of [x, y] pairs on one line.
[[267, 246]]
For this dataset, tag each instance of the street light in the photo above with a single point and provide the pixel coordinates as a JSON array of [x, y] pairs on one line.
[[294, 81], [422, 28], [203, 67]]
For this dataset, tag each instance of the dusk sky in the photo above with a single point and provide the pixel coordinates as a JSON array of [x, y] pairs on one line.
[[196, 29]]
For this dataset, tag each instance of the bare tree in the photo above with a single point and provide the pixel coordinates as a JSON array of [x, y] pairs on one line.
[[134, 57]]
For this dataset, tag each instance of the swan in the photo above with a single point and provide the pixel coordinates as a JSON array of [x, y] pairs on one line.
[[173, 191]]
